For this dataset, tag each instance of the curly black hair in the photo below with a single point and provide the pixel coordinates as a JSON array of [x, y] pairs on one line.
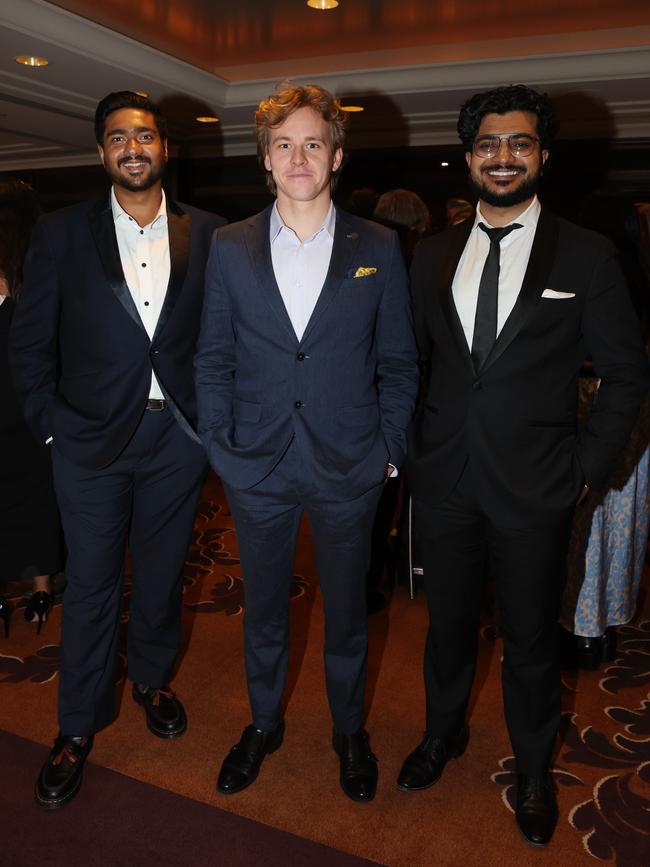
[[19, 210], [126, 99], [500, 100]]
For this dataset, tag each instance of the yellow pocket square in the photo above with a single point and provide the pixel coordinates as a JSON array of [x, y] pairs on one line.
[[365, 272]]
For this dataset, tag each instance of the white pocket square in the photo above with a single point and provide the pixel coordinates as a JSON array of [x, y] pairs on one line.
[[557, 294]]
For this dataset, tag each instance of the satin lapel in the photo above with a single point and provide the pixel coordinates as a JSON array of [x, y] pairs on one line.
[[346, 241], [102, 227], [542, 256], [458, 239], [178, 225], [259, 250]]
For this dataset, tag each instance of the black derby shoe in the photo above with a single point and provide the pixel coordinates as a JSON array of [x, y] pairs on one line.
[[536, 811], [242, 764], [358, 765], [424, 766], [60, 777], [165, 714]]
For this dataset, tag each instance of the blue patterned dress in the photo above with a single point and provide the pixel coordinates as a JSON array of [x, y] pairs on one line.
[[609, 536]]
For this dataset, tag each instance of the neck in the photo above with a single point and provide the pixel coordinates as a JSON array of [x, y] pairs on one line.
[[304, 218], [503, 216], [142, 205]]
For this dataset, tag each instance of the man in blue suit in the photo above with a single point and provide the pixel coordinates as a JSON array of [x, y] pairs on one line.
[[306, 381], [102, 346]]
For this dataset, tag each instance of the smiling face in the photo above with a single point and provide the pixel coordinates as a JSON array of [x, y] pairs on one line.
[[300, 157], [132, 152], [503, 180]]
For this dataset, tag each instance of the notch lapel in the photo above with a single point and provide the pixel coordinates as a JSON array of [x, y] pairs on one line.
[[178, 227], [102, 227], [346, 241], [458, 238], [542, 256], [259, 249]]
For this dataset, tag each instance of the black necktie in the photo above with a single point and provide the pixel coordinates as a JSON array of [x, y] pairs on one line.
[[485, 323]]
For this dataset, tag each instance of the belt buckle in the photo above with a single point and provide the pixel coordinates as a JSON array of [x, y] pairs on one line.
[[155, 404]]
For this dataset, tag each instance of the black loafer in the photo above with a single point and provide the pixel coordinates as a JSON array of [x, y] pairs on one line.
[[536, 811], [165, 714], [358, 765], [424, 766], [242, 764], [61, 775]]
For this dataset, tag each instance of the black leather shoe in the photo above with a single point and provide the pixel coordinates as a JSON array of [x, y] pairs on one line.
[[536, 811], [242, 764], [589, 652], [424, 766], [60, 777], [165, 714], [358, 765]]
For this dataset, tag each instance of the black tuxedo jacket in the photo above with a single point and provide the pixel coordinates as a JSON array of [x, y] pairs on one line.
[[81, 358], [345, 391], [515, 419]]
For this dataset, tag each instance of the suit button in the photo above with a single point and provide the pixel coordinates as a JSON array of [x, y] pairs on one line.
[[477, 385], [155, 352], [299, 404], [301, 356]]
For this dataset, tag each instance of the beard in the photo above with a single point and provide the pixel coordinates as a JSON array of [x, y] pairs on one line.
[[521, 193], [137, 186]]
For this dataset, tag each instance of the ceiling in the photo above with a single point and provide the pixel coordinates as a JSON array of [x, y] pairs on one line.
[[409, 62]]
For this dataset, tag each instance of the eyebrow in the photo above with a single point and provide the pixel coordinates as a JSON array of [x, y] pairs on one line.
[[131, 129], [307, 138]]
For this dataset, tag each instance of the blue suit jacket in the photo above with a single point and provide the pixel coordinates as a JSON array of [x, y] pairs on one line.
[[345, 391], [80, 355]]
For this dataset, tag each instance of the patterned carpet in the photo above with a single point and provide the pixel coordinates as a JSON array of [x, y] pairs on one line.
[[602, 764]]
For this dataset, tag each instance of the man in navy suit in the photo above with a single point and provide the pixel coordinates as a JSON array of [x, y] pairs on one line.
[[102, 347], [306, 380]]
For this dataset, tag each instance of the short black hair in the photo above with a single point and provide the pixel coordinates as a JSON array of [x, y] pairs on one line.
[[126, 99], [500, 100]]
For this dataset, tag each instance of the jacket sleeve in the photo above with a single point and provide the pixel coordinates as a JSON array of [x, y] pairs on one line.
[[33, 339]]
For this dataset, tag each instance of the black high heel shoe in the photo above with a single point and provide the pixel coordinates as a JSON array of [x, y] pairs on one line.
[[5, 614], [38, 605]]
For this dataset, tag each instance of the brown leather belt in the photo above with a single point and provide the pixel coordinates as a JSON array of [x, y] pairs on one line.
[[155, 404]]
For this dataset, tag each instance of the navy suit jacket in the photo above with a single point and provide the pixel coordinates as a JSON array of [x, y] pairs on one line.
[[80, 355], [345, 391], [515, 419]]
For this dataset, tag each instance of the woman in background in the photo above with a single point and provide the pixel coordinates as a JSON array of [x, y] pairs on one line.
[[30, 535]]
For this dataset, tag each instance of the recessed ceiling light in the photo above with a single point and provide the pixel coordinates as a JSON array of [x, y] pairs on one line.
[[444, 165], [142, 93], [323, 4], [352, 108], [30, 60], [206, 118]]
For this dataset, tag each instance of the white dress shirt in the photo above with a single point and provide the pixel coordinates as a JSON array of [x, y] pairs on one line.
[[300, 267], [515, 253], [144, 253]]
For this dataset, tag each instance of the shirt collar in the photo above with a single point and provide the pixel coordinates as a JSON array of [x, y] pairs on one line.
[[159, 220], [277, 224], [528, 219]]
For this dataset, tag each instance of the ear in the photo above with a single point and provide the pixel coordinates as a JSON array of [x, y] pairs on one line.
[[468, 158], [267, 162], [337, 159], [544, 156], [165, 150], [100, 151]]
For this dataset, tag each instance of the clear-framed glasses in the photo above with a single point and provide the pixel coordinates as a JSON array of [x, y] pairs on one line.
[[520, 144]]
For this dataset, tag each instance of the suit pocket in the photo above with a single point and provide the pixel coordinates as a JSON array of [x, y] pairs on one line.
[[244, 410], [359, 415]]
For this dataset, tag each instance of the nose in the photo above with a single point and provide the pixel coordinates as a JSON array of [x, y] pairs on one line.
[[504, 148], [133, 145], [297, 157]]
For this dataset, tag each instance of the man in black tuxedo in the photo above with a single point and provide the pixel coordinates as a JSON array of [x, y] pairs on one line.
[[507, 307], [102, 346], [306, 378]]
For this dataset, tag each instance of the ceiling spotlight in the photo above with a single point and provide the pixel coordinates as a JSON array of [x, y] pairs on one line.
[[30, 60], [323, 4], [444, 165], [142, 93], [352, 108], [206, 118]]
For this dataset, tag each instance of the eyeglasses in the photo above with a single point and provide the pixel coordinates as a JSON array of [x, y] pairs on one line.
[[520, 145]]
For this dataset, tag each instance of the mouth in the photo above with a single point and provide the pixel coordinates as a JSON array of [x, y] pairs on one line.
[[133, 165], [503, 174]]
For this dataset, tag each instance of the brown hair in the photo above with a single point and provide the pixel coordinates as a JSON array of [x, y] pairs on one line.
[[19, 211], [288, 98]]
